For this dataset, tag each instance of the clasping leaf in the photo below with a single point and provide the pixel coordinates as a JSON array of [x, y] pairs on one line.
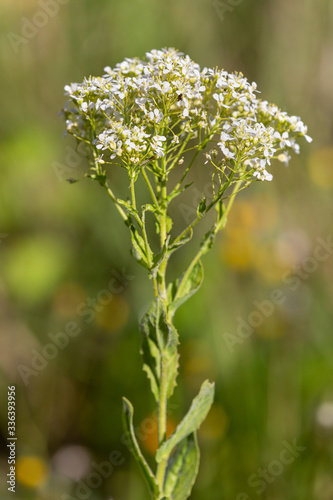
[[182, 469], [191, 422], [159, 348]]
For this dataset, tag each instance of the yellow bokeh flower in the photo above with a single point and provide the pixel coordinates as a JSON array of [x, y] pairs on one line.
[[148, 432], [31, 471]]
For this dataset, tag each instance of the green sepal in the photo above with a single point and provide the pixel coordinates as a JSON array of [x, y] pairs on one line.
[[191, 422], [135, 449], [184, 287], [182, 469]]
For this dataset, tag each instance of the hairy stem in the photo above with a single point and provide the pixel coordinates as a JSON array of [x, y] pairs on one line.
[[163, 396]]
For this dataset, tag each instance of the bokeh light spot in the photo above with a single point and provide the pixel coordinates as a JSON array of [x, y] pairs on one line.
[[31, 471], [72, 461], [67, 298], [148, 432], [32, 266], [320, 167], [215, 424], [113, 315]]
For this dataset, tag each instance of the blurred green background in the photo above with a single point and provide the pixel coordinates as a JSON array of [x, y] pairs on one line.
[[61, 245]]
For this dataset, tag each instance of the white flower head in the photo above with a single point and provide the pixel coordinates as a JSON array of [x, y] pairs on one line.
[[156, 103]]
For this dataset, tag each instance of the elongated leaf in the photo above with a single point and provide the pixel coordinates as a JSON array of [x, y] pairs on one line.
[[151, 348], [182, 469], [159, 257], [177, 192], [183, 288], [152, 365], [219, 207], [159, 348], [209, 239], [202, 206], [143, 255], [170, 359], [129, 207], [191, 422], [135, 449], [173, 246]]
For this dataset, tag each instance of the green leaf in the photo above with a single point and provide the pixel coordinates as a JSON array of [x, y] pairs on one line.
[[141, 254], [170, 359], [174, 245], [129, 207], [182, 469], [178, 191], [159, 348], [152, 365], [169, 223], [208, 240], [159, 257], [202, 206], [219, 207], [184, 287], [150, 349], [148, 207], [191, 422], [135, 449]]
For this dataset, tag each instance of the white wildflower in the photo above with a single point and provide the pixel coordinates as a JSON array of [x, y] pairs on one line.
[[153, 104], [157, 145]]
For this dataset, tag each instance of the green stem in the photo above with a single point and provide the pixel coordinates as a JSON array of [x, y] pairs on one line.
[[114, 199], [199, 149], [181, 150], [133, 194], [203, 248], [162, 422], [232, 199], [163, 234], [146, 178], [209, 207], [163, 395]]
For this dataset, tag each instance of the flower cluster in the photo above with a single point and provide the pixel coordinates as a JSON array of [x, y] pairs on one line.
[[148, 109]]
